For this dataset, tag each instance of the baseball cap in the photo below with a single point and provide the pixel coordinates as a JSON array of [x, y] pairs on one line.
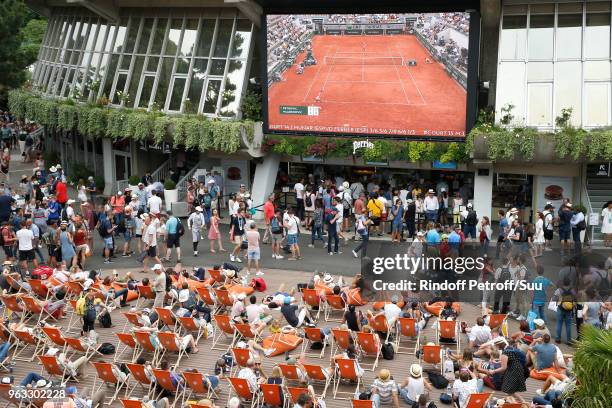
[[157, 267], [183, 295]]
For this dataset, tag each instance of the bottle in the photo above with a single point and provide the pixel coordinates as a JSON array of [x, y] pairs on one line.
[[448, 389]]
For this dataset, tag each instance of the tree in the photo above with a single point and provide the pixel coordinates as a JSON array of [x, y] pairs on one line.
[[22, 33]]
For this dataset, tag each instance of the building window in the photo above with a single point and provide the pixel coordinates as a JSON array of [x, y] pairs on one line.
[[513, 37], [597, 103], [539, 104]]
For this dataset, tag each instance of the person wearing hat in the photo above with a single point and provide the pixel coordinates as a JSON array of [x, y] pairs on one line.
[[470, 220], [384, 390], [431, 206], [296, 315], [414, 385], [149, 239], [159, 285], [61, 192], [196, 223]]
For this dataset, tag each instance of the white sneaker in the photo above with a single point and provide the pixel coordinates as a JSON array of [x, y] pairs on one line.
[[268, 351], [355, 254], [273, 256], [232, 258], [195, 253], [539, 391], [310, 246], [259, 273], [521, 317], [279, 257], [237, 259], [331, 253]]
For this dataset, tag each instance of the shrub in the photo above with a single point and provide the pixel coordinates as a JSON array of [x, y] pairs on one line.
[[133, 180], [169, 185]]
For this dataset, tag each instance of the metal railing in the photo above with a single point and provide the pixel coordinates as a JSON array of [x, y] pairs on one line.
[[182, 184], [121, 185], [586, 201], [162, 171]]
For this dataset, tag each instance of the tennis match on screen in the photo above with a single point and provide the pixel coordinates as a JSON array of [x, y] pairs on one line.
[[383, 74]]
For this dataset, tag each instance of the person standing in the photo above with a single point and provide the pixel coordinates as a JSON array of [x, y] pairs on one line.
[[213, 232], [431, 206], [298, 188], [276, 229], [106, 230], [268, 210], [565, 226], [317, 223], [606, 223], [159, 285], [8, 241], [25, 237], [362, 227], [196, 222], [359, 208], [566, 305], [253, 250], [578, 225], [61, 192], [484, 234], [236, 235], [149, 239], [173, 229], [154, 203], [332, 229], [66, 244], [292, 223]]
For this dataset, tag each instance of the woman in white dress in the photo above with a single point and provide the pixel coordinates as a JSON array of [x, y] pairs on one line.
[[538, 238], [606, 224]]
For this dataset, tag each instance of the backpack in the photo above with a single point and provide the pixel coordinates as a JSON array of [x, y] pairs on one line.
[[106, 348], [567, 300], [522, 235], [180, 229], [437, 380], [64, 214], [505, 274], [276, 229], [388, 352], [207, 200], [102, 230], [259, 284], [308, 200], [105, 321], [81, 306], [471, 218], [581, 225], [345, 204]]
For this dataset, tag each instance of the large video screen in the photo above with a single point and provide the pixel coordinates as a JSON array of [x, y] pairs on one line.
[[395, 75]]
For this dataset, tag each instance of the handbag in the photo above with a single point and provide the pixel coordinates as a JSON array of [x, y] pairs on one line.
[[244, 244], [552, 305]]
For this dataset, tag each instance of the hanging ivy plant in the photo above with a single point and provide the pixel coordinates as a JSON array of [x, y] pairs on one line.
[[160, 128], [139, 125], [17, 101], [96, 122], [66, 117], [178, 131], [116, 122]]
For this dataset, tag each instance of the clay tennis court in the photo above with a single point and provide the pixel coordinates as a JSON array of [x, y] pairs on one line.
[[362, 84]]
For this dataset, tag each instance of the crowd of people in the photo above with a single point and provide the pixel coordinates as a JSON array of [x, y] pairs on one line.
[[380, 18], [434, 28], [284, 35]]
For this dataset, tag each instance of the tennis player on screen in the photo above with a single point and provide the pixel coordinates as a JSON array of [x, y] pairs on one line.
[[364, 45]]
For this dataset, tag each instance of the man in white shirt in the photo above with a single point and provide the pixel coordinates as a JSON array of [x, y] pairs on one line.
[[577, 222], [149, 239], [549, 219], [392, 311], [356, 189], [431, 206], [25, 237], [248, 374], [464, 386], [299, 196], [155, 204], [253, 310], [291, 222], [479, 334]]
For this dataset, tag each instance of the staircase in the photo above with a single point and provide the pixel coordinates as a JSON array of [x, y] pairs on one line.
[[599, 189]]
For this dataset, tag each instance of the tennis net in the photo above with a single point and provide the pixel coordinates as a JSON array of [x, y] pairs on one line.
[[356, 60]]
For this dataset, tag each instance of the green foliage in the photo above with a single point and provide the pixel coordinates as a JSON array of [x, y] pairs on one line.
[[506, 114], [115, 122], [593, 369], [169, 185], [99, 180], [160, 128], [133, 180], [78, 172], [22, 34], [139, 125], [251, 106], [66, 117], [51, 157]]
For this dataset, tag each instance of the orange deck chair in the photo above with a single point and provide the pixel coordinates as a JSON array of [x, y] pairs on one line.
[[290, 372], [145, 345], [225, 330], [315, 373], [512, 405], [272, 395], [73, 289], [52, 367], [341, 340], [407, 328], [223, 298], [24, 340], [8, 396], [139, 375], [432, 354], [206, 296], [39, 288], [379, 324], [335, 303], [131, 318], [167, 317], [131, 403], [74, 323], [314, 335], [168, 343], [12, 306], [163, 379], [54, 335], [75, 344], [241, 357], [145, 293], [496, 320], [449, 331], [32, 307], [311, 298], [362, 403], [126, 342], [295, 392], [240, 387], [478, 400], [216, 275], [369, 345], [197, 384], [346, 369], [244, 332], [106, 377], [190, 326]]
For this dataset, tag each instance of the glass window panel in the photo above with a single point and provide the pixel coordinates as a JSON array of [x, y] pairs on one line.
[[135, 79], [74, 59], [163, 82], [540, 105], [539, 71], [158, 36], [66, 57], [120, 36], [206, 36], [597, 36], [597, 70], [542, 9], [92, 37], [132, 34], [177, 94], [121, 79], [568, 89], [233, 88], [174, 36], [223, 38], [59, 81], [242, 39], [182, 65], [195, 90], [125, 62], [513, 38], [217, 67], [515, 9], [80, 39], [145, 93], [145, 36], [511, 88], [108, 70], [541, 36], [597, 96], [199, 65], [570, 7], [569, 36], [76, 31], [212, 95], [152, 64], [110, 38], [66, 37], [598, 6], [61, 34], [100, 41], [68, 84], [189, 37]]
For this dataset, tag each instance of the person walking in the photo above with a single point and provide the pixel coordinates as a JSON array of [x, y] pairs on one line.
[[292, 223], [484, 234], [363, 227], [253, 250], [149, 239], [276, 230], [173, 240], [565, 226], [25, 238], [268, 210], [159, 285], [196, 223], [236, 235], [213, 231], [66, 244], [317, 223], [578, 224], [397, 224], [332, 229], [431, 206]]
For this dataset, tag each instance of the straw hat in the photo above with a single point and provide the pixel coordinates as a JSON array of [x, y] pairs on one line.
[[384, 374], [416, 370]]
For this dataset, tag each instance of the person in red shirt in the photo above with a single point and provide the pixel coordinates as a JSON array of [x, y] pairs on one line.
[[61, 193], [8, 235], [268, 214], [359, 209]]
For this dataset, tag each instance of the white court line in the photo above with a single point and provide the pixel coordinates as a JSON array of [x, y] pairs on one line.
[[413, 81], [316, 76], [331, 68], [400, 79], [365, 82], [376, 103]]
